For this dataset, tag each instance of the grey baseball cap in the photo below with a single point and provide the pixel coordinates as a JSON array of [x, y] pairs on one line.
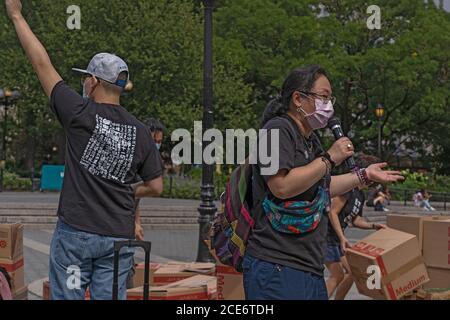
[[107, 66]]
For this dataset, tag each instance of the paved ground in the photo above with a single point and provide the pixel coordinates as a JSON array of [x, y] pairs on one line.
[[167, 244], [53, 197], [178, 245]]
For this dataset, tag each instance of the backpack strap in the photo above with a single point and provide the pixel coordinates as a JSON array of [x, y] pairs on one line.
[[261, 187], [316, 141]]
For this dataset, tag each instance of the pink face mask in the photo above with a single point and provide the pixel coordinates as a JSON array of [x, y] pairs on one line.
[[319, 118]]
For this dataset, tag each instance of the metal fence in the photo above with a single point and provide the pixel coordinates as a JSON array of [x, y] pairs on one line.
[[405, 195]]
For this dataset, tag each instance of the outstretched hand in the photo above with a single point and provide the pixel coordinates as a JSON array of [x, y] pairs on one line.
[[14, 8], [376, 173]]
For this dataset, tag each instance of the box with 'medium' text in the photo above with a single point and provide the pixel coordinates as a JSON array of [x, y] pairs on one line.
[[387, 264]]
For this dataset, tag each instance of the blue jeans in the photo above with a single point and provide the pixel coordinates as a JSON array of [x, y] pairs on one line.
[[268, 281], [79, 260]]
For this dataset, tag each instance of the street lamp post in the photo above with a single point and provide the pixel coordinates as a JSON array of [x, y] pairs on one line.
[[207, 207], [7, 97], [379, 112]]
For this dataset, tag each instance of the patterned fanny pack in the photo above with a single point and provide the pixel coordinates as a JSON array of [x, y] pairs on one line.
[[297, 217]]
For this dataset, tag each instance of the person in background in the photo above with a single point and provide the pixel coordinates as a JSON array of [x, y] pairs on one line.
[[157, 130], [377, 198], [425, 201], [388, 195], [346, 209], [157, 134], [417, 198]]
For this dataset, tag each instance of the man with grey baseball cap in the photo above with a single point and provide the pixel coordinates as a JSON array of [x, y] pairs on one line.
[[108, 150], [107, 67]]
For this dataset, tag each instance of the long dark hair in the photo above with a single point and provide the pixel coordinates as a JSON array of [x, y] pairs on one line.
[[299, 79]]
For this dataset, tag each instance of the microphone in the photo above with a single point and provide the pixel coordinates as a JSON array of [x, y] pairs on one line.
[[335, 126]]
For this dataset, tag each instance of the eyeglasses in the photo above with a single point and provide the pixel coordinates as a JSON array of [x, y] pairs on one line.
[[325, 99]]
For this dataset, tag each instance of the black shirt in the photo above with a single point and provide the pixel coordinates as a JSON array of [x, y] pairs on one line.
[[302, 252], [352, 209], [107, 150]]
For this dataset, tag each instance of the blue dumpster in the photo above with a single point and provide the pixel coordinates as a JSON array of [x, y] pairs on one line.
[[52, 178]]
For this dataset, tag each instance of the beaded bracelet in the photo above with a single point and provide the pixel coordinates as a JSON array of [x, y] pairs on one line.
[[328, 165], [362, 176]]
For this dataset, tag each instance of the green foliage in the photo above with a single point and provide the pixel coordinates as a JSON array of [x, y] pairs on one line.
[[189, 187], [427, 181], [162, 42], [13, 182], [403, 66], [414, 180], [181, 189]]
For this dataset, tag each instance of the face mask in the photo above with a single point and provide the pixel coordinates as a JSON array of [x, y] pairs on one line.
[[85, 95], [158, 146], [319, 118]]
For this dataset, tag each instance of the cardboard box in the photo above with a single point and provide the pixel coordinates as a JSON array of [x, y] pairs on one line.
[[199, 287], [428, 294], [138, 280], [412, 224], [16, 270], [431, 294], [396, 255], [11, 241], [436, 243], [46, 291], [439, 278], [176, 271], [230, 285], [21, 294]]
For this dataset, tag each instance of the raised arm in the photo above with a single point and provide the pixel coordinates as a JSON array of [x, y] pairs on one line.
[[33, 48]]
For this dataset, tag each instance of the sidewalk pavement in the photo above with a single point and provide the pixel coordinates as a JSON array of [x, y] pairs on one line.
[[180, 245], [174, 243]]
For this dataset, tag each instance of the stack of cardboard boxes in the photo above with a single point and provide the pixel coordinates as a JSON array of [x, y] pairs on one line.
[[387, 264], [433, 233], [230, 285], [189, 281], [176, 281], [46, 291], [11, 258], [412, 255], [228, 282], [183, 281], [196, 287]]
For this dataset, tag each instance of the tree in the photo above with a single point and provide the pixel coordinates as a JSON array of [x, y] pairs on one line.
[[403, 66], [162, 42]]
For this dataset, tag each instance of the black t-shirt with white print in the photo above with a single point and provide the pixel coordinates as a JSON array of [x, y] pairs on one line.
[[352, 209], [303, 252], [108, 149]]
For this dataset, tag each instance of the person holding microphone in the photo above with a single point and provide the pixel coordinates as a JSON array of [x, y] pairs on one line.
[[285, 253]]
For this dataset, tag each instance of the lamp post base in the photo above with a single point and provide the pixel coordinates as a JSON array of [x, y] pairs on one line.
[[207, 210]]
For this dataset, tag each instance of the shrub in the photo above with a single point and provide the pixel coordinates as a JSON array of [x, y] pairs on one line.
[[13, 182]]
